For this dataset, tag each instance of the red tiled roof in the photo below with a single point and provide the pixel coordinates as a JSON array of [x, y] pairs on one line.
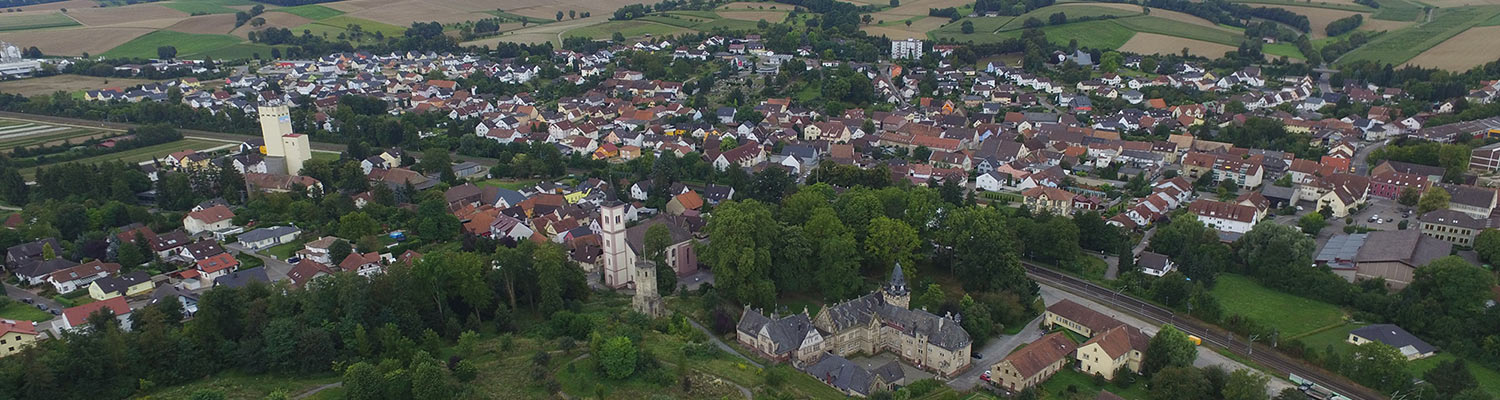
[[212, 214], [217, 262], [80, 314], [1038, 355], [24, 327]]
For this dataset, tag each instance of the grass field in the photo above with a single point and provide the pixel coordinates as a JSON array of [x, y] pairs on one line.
[[285, 250], [239, 51], [144, 153], [508, 184], [311, 11], [1334, 6], [1398, 10], [187, 44], [1071, 10], [1489, 379], [248, 387], [17, 310], [1057, 386], [983, 30], [1163, 26], [333, 26], [519, 17], [631, 28], [35, 21], [199, 6], [70, 134], [1402, 45], [1103, 34], [1290, 315]]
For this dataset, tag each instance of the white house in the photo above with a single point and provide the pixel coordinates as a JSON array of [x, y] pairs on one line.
[[267, 237]]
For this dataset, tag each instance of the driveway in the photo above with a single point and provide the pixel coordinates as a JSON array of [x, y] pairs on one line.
[[995, 350], [17, 293], [275, 269]]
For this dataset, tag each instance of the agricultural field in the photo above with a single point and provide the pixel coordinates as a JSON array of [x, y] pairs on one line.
[[1403, 45], [20, 22], [331, 27], [1151, 43], [632, 28], [200, 6], [15, 134], [187, 44], [66, 83], [898, 30], [1291, 315], [1073, 10], [1469, 49], [212, 24], [311, 11], [1321, 17], [1168, 27], [274, 20], [983, 29]]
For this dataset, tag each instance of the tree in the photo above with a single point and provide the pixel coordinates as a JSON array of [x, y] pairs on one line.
[[1450, 377], [617, 357], [1057, 18], [363, 381], [892, 242], [967, 27], [339, 250], [47, 252], [1246, 384], [572, 14], [13, 187], [740, 253], [617, 37], [1409, 196], [356, 225], [1378, 366], [932, 298], [1111, 61], [559, 15], [1312, 223], [1487, 244], [428, 379], [1434, 199], [658, 238], [1276, 254], [1179, 383], [895, 3], [257, 22], [908, 23], [1169, 348], [166, 52]]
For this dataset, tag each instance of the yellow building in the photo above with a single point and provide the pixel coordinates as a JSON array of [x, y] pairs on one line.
[[15, 336], [130, 284], [1049, 199], [1033, 364], [1121, 346]]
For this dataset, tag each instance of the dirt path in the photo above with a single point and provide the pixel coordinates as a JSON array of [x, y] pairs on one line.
[[318, 389]]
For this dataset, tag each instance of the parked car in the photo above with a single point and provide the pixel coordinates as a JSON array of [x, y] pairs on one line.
[[41, 306], [985, 376], [56, 312], [976, 355], [27, 300]]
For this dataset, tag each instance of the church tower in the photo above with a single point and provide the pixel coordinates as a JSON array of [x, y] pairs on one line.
[[895, 292], [647, 300], [616, 264]]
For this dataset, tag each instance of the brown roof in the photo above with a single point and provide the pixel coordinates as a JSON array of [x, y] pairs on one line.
[[1219, 209], [1119, 340], [1040, 354], [1050, 193], [1094, 320], [690, 200], [212, 214]]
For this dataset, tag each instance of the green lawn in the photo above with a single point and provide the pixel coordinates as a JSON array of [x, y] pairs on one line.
[[1282, 49], [1399, 46], [1335, 337], [323, 155], [199, 6], [1489, 379], [1058, 386], [507, 183], [248, 387], [17, 310], [35, 21], [1290, 315], [285, 250], [631, 28], [187, 44], [311, 11]]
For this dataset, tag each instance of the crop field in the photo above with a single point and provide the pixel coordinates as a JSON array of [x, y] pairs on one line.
[[1159, 25], [29, 134], [274, 20], [632, 28], [897, 29], [332, 27], [35, 21], [147, 153], [75, 41], [125, 15], [1400, 46], [311, 11], [199, 6], [1348, 5], [205, 24], [1471, 48], [1073, 10], [66, 83], [1151, 43], [187, 44]]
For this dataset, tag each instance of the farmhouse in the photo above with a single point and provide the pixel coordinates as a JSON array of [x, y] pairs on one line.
[[267, 237], [1033, 364]]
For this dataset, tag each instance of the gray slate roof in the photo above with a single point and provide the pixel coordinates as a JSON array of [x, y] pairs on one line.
[[243, 278], [943, 332], [1394, 336], [848, 376], [786, 332], [119, 283]]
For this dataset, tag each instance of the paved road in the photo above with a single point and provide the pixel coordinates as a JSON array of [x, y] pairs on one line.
[[1361, 156], [995, 350], [16, 292], [1211, 335]]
